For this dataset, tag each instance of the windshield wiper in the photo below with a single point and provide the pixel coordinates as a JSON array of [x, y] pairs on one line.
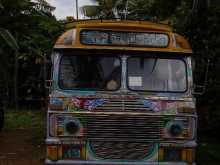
[[154, 66]]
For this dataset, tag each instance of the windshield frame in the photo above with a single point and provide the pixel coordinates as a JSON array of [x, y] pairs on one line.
[[159, 56], [67, 53]]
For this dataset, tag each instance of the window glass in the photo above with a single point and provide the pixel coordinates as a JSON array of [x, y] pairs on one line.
[[155, 74], [90, 72]]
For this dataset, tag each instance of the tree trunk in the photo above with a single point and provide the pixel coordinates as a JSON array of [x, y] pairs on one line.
[[16, 81]]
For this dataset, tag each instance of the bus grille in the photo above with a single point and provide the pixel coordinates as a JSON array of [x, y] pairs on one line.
[[123, 105], [122, 135], [123, 127], [121, 150]]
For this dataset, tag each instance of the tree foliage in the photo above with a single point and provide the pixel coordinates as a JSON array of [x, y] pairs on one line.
[[9, 39], [135, 9], [31, 27]]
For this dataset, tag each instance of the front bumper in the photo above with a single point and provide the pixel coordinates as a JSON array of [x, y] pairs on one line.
[[78, 162]]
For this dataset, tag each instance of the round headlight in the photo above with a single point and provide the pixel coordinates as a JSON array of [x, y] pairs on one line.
[[175, 129], [72, 127]]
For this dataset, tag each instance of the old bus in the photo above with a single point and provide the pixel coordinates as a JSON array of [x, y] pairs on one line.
[[121, 93]]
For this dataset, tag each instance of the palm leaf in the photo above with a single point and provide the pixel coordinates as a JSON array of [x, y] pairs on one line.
[[1, 6], [9, 39]]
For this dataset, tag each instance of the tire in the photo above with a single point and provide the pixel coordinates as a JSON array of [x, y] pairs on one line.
[[1, 119]]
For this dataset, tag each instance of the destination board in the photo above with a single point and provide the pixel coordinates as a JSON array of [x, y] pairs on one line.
[[106, 37]]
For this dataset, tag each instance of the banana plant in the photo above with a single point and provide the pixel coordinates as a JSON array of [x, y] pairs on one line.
[[9, 39], [7, 36]]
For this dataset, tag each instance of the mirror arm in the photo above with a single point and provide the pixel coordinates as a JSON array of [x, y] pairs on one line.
[[203, 87], [48, 84]]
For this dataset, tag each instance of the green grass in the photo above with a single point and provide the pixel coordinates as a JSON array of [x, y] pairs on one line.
[[208, 152], [24, 119], [33, 121]]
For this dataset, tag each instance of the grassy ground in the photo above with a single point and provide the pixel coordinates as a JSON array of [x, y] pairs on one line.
[[208, 151], [33, 121], [22, 141]]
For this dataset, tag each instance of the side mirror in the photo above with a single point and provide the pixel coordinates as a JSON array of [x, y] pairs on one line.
[[201, 89], [48, 84]]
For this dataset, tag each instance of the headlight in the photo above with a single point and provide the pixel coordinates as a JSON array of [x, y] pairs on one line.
[[65, 125], [176, 129], [179, 128], [72, 127]]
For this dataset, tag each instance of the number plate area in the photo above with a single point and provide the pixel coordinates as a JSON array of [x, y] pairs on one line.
[[71, 152]]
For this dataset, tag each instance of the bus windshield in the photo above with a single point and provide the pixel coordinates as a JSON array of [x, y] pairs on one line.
[[90, 72], [156, 74]]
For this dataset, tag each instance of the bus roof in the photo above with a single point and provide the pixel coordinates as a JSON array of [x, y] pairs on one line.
[[72, 38], [119, 23]]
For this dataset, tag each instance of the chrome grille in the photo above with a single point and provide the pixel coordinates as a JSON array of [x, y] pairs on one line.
[[121, 150], [124, 104], [122, 126], [122, 136]]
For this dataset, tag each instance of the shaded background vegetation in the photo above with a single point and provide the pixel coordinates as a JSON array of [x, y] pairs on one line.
[[28, 31]]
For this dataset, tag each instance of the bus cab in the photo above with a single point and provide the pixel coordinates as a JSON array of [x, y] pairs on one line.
[[121, 95]]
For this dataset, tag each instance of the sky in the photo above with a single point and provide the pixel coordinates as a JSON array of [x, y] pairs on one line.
[[68, 7]]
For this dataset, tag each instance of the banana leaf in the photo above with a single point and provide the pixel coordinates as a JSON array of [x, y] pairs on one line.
[[9, 39]]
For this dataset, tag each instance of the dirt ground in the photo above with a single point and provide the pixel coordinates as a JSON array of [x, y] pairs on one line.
[[17, 148], [22, 141]]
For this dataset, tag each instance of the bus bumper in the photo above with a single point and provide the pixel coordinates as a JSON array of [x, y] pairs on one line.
[[67, 162]]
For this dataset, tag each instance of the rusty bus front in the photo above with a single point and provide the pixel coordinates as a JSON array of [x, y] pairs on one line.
[[121, 94]]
